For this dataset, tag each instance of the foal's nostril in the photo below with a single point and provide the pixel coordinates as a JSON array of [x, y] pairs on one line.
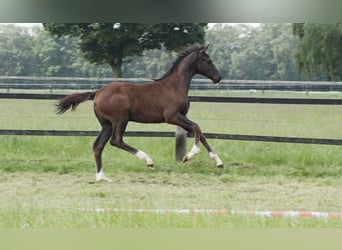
[[218, 79]]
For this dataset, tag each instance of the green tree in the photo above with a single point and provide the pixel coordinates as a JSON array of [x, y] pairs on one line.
[[16, 53], [152, 64], [226, 40], [320, 49], [107, 43], [283, 48], [55, 55], [265, 52]]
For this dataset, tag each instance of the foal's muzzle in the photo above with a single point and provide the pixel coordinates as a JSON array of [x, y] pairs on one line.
[[217, 79]]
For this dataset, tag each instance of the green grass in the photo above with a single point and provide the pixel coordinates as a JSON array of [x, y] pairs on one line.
[[48, 181], [74, 154], [61, 201]]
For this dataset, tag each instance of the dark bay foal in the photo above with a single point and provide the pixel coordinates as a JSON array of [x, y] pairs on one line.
[[163, 100]]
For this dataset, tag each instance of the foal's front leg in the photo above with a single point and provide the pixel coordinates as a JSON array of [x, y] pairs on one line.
[[196, 149], [211, 152]]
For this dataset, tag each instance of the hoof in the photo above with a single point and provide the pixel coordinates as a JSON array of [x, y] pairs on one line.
[[185, 159], [100, 176], [221, 166], [104, 179], [151, 167]]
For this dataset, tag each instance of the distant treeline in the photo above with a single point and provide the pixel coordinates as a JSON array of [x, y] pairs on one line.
[[239, 51]]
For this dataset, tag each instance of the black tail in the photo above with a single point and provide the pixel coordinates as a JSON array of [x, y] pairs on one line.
[[72, 101]]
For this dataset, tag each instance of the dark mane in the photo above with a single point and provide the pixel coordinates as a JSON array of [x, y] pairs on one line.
[[180, 57]]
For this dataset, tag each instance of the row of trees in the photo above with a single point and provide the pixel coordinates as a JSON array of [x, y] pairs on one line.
[[262, 53], [31, 51], [320, 49], [268, 51]]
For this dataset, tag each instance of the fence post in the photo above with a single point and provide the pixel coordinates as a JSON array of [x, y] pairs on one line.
[[180, 143]]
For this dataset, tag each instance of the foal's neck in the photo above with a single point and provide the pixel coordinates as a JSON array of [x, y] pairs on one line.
[[185, 71]]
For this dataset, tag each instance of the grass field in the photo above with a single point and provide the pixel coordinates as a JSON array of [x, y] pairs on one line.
[[49, 181]]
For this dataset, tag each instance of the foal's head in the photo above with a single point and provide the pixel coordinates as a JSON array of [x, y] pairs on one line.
[[205, 66]]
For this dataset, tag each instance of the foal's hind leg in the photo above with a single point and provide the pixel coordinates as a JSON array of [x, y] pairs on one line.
[[117, 141], [98, 146]]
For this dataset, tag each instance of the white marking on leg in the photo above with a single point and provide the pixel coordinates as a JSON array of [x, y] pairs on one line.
[[100, 176], [216, 158], [143, 156], [194, 151]]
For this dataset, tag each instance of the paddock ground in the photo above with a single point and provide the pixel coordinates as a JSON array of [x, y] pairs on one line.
[[45, 200]]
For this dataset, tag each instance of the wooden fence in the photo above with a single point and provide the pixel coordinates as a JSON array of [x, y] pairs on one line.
[[304, 101]]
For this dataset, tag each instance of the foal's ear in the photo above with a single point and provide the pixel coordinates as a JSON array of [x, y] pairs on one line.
[[204, 48]]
